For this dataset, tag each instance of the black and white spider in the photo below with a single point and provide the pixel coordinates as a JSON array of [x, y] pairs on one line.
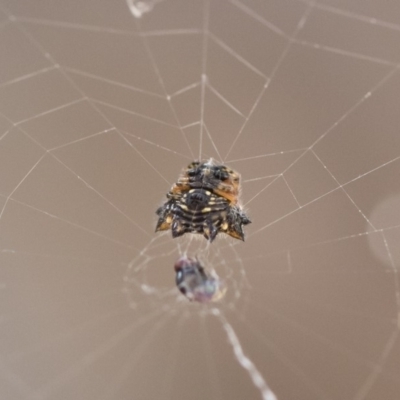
[[204, 200]]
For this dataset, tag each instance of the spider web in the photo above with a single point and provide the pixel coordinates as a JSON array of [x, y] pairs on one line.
[[101, 106]]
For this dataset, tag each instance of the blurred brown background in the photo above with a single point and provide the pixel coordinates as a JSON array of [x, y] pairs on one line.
[[102, 103]]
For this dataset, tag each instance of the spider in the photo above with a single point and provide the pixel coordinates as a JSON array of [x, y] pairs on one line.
[[205, 201], [196, 283]]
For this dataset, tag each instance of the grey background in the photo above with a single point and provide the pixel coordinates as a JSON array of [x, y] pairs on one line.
[[100, 111]]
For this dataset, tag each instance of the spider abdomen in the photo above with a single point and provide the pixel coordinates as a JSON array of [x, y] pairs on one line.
[[205, 201]]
